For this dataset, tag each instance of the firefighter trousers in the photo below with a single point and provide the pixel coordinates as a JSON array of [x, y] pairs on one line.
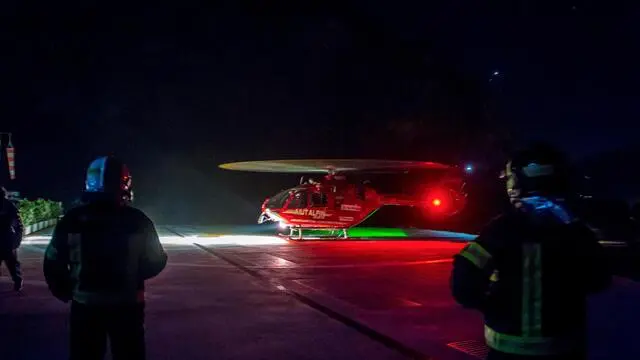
[[92, 325], [497, 355], [10, 258]]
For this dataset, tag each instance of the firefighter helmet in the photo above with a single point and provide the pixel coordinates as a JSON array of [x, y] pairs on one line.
[[108, 177], [539, 170]]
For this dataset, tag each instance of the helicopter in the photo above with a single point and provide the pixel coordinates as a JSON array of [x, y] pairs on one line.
[[339, 194]]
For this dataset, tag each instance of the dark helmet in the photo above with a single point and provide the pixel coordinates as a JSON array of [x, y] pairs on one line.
[[539, 170], [109, 178]]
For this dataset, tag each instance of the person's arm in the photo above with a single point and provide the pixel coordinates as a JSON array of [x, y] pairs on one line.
[[472, 269], [19, 231], [15, 224], [153, 258], [597, 268], [56, 264]]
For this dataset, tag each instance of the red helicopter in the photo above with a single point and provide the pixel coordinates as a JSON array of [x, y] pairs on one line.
[[349, 191]]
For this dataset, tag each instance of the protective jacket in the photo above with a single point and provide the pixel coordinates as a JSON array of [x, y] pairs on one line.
[[101, 253], [530, 271]]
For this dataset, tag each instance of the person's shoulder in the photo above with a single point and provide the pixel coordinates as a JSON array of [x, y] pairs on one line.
[[75, 213], [71, 218], [138, 215], [581, 229], [8, 205], [499, 229], [500, 222]]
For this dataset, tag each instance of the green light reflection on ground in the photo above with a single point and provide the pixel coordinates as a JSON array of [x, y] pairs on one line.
[[356, 233]]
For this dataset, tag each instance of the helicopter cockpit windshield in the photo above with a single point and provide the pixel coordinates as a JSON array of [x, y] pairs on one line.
[[278, 200]]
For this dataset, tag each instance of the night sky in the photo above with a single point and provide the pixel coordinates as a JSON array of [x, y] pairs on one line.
[[176, 90]]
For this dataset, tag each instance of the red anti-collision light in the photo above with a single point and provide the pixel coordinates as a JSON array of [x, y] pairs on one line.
[[437, 200]]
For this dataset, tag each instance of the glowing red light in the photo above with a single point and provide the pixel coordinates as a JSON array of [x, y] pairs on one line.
[[436, 202]]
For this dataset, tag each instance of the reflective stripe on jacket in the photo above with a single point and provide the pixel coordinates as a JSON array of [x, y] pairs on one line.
[[93, 298], [529, 345]]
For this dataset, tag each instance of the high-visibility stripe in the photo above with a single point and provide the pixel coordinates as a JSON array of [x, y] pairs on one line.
[[531, 310], [526, 289], [536, 329], [74, 242], [95, 298], [475, 253], [528, 345], [51, 253]]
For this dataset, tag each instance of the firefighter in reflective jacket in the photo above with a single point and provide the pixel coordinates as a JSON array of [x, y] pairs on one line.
[[530, 270], [99, 256]]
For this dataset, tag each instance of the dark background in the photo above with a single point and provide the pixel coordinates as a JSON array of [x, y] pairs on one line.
[[177, 89]]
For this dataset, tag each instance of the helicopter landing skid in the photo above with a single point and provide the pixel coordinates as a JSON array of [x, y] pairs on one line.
[[298, 234]]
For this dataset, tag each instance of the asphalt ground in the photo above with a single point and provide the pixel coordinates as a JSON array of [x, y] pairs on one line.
[[238, 295]]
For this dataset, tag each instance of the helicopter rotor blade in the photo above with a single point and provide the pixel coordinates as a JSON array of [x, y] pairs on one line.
[[329, 166]]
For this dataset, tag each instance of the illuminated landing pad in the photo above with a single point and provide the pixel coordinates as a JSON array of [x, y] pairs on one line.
[[259, 235], [230, 240]]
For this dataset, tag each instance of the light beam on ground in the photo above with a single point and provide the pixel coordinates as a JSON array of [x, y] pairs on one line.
[[189, 240]]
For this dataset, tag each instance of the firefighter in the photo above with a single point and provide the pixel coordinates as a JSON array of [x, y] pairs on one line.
[[530, 269], [11, 231], [98, 259]]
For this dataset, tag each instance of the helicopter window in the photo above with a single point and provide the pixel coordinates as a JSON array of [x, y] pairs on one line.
[[318, 199], [299, 200], [278, 200]]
